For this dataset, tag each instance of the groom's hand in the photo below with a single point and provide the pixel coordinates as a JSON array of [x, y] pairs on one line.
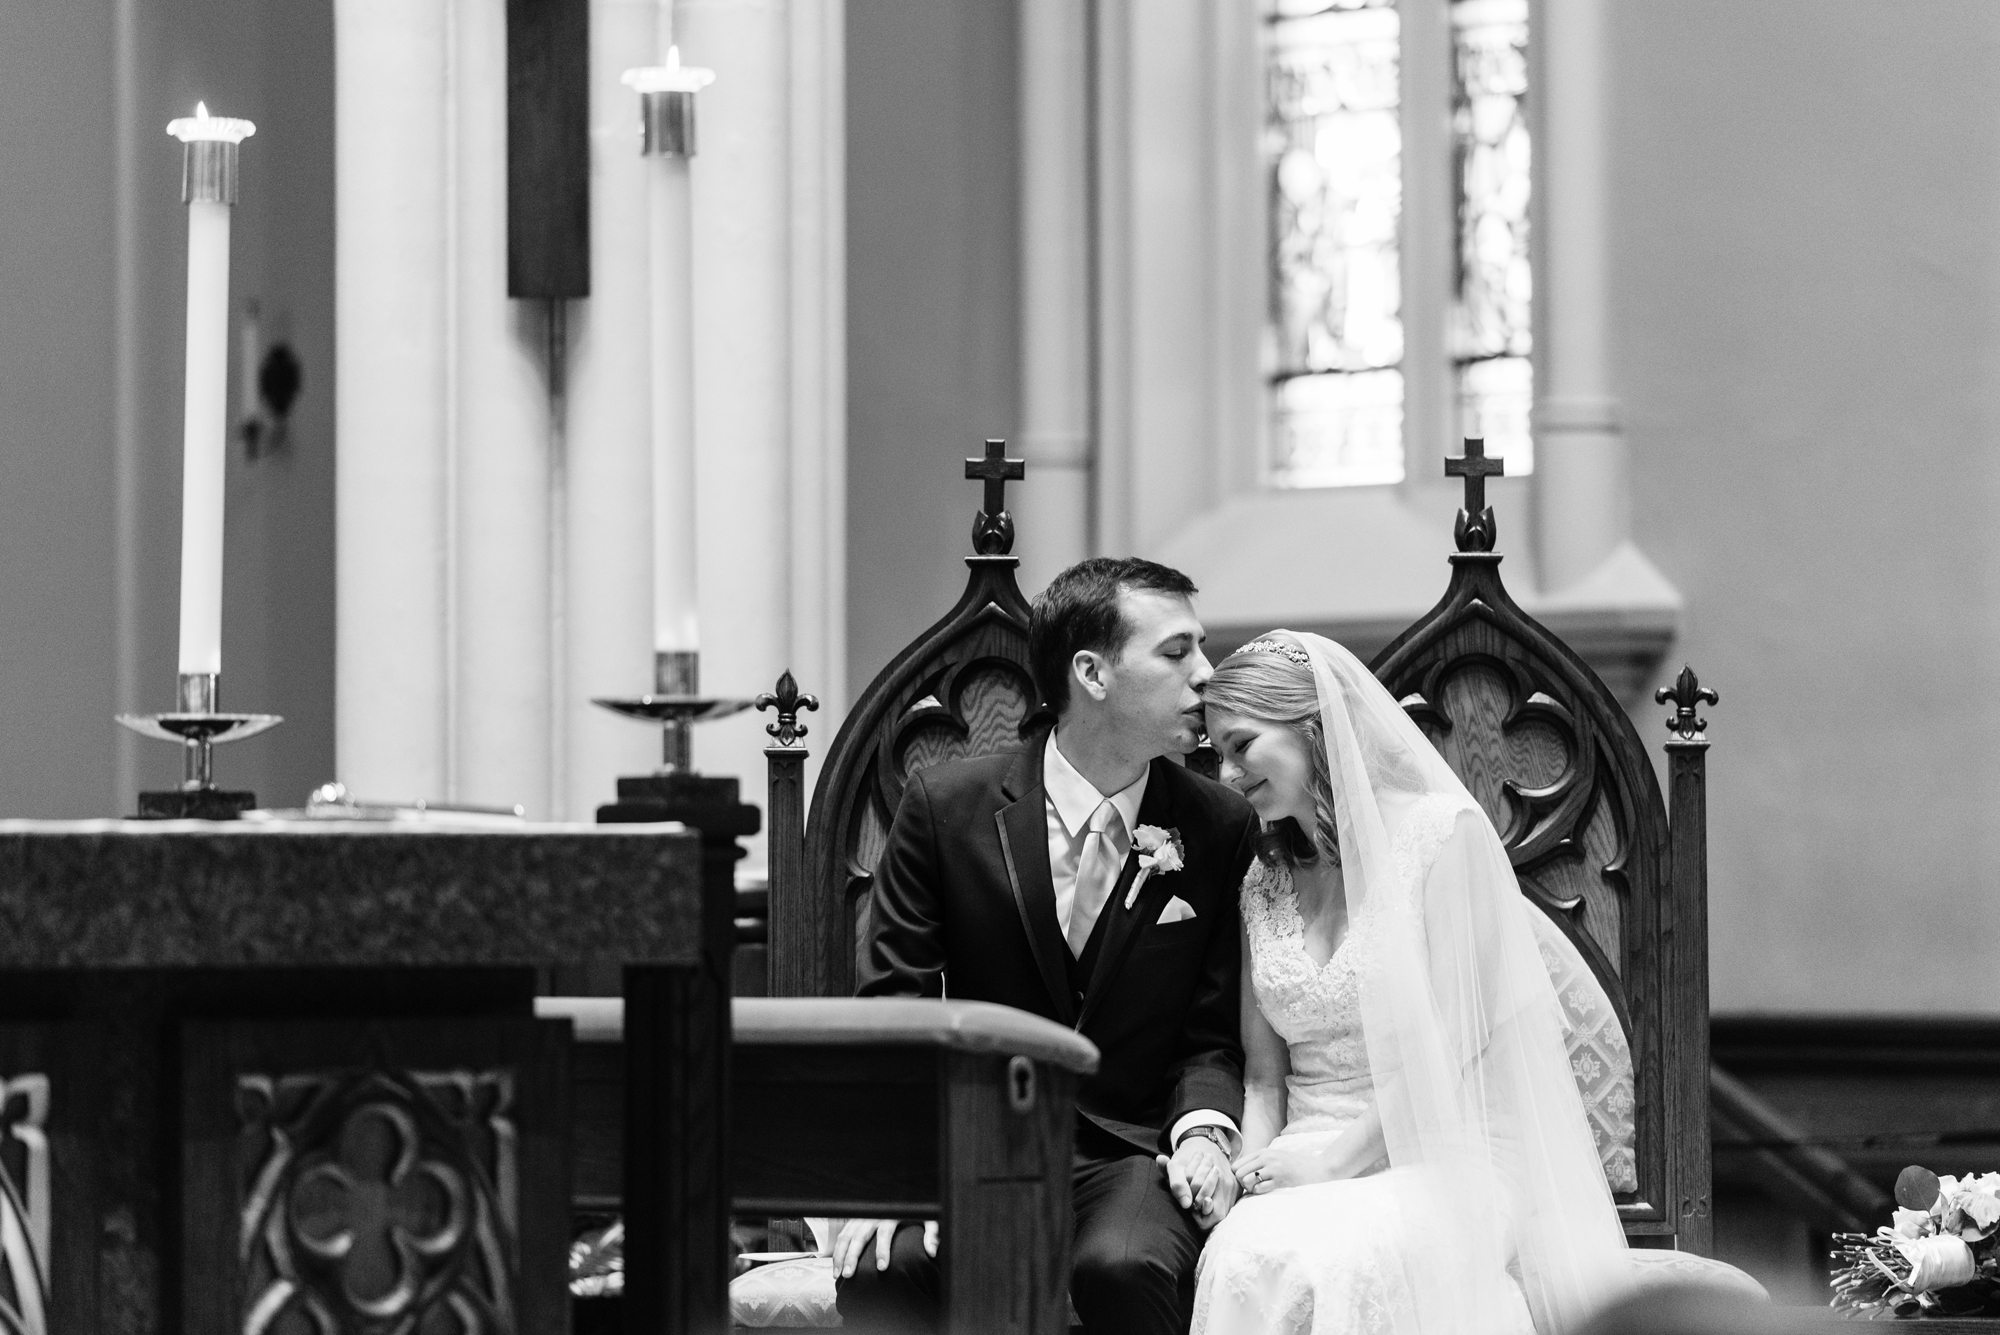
[[1200, 1179], [855, 1235]]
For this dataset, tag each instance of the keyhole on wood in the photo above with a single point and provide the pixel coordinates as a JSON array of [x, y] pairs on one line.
[[1020, 1084]]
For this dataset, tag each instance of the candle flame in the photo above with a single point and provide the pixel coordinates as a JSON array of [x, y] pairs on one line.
[[671, 77], [202, 126]]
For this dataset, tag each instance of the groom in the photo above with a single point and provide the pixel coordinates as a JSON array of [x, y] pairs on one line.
[[1010, 878]]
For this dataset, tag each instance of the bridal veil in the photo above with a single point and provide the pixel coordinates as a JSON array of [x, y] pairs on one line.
[[1464, 1036]]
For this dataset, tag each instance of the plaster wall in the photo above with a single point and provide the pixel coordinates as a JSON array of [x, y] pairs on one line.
[[57, 584], [933, 310], [1803, 206]]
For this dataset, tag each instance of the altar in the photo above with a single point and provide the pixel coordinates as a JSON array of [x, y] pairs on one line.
[[287, 1076]]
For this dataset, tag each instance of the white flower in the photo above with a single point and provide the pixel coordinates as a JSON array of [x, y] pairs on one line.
[[1159, 850], [1942, 1262], [1983, 1211], [1912, 1223]]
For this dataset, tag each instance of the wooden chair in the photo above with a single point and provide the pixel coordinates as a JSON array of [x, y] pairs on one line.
[[962, 688], [1621, 883]]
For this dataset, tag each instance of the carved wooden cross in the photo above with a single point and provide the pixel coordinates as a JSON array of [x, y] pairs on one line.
[[1475, 468], [996, 469]]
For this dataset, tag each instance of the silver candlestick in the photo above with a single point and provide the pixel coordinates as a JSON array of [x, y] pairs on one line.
[[198, 727], [676, 704]]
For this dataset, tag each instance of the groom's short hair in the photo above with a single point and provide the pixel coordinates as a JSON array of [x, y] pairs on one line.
[[1079, 610]]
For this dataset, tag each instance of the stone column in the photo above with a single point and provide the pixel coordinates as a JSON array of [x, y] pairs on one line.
[[818, 152], [1178, 276], [391, 694], [497, 443], [1053, 516], [743, 336], [495, 566], [608, 613], [1582, 507]]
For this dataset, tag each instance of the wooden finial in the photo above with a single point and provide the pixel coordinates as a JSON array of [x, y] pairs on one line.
[[993, 527], [788, 702], [1687, 695], [1474, 531]]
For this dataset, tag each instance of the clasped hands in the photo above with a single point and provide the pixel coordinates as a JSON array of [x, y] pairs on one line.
[[1198, 1175]]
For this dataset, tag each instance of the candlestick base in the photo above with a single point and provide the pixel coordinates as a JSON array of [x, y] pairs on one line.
[[199, 728], [194, 804]]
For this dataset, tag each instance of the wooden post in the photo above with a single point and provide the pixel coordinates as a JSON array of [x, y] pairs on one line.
[[785, 762], [677, 1039], [1007, 1234], [1690, 1151]]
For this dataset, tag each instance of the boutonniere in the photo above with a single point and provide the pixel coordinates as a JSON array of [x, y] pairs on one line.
[[1159, 851]]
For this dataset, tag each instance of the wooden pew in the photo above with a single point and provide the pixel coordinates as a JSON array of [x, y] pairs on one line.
[[951, 1110]]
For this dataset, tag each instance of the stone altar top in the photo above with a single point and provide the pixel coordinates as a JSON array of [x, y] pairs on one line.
[[113, 894]]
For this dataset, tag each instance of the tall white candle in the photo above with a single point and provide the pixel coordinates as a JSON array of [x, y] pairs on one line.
[[667, 93], [208, 187]]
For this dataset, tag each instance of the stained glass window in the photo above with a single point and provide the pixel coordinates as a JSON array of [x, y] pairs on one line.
[[1491, 337], [1335, 159]]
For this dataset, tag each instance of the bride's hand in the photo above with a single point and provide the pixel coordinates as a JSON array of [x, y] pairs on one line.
[[1278, 1165]]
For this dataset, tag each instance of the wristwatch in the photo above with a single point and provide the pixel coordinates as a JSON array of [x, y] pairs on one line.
[[1214, 1134]]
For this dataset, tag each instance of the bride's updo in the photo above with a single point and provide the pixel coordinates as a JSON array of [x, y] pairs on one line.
[[1264, 681]]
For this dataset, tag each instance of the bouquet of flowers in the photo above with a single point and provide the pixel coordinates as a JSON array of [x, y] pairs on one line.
[[1941, 1256], [597, 1262]]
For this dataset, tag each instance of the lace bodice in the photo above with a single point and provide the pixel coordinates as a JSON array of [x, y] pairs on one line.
[[1316, 1008]]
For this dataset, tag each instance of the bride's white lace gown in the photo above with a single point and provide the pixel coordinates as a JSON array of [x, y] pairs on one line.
[[1345, 1257]]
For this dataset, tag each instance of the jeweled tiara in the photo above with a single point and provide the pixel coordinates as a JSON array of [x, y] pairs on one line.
[[1289, 651]]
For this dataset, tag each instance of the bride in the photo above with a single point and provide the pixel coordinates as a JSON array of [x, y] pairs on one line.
[[1415, 1156]]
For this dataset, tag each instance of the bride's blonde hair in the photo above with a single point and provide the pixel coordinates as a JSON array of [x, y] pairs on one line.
[[1271, 688]]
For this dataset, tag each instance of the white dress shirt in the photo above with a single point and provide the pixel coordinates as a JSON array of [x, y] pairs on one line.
[[1070, 800]]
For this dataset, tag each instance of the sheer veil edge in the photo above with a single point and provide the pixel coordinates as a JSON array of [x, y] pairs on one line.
[[1462, 1026]]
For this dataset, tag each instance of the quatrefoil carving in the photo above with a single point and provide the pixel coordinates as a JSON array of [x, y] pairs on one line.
[[380, 1210], [1491, 746]]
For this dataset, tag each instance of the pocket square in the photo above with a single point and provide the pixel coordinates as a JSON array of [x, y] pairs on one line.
[[1177, 910]]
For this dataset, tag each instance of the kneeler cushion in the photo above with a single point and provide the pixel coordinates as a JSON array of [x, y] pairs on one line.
[[1656, 1271], [795, 1293]]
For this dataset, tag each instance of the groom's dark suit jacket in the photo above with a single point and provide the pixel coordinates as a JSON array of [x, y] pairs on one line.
[[964, 904]]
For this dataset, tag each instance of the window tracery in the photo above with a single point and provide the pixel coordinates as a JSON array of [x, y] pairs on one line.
[[1335, 160], [1334, 145], [1492, 340]]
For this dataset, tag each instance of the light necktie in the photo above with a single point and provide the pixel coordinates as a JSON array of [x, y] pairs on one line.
[[1097, 868]]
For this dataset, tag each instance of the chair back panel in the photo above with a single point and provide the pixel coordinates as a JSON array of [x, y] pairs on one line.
[[1552, 757], [1522, 754], [1600, 1057], [977, 707], [962, 688]]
